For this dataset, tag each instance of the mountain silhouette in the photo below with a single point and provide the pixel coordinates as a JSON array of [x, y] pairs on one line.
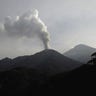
[[47, 61], [45, 72], [27, 81], [80, 53]]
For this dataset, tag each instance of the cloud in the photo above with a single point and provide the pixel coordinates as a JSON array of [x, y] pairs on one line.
[[28, 25]]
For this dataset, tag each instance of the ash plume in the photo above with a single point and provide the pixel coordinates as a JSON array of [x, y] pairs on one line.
[[27, 25]]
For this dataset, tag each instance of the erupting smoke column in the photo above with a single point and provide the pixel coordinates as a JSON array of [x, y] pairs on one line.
[[45, 38], [28, 25]]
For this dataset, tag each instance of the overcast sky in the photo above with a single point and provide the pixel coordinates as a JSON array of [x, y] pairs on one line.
[[69, 23]]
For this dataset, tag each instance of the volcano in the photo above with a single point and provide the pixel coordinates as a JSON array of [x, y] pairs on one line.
[[48, 61]]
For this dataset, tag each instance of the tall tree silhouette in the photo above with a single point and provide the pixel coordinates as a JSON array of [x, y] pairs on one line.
[[93, 59]]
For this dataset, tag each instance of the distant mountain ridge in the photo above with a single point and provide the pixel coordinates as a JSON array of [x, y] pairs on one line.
[[81, 53], [47, 61]]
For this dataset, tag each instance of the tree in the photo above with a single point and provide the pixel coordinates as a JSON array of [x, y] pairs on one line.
[[93, 59]]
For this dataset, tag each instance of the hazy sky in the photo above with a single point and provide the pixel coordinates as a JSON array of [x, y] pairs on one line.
[[69, 22]]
